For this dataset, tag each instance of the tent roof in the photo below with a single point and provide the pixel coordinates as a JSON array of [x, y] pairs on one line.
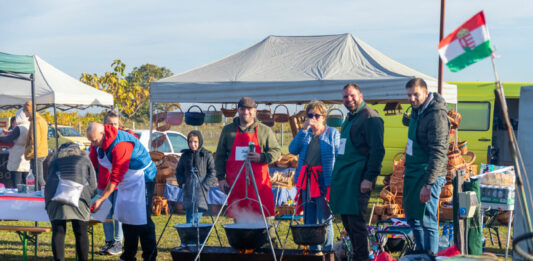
[[293, 69], [51, 86]]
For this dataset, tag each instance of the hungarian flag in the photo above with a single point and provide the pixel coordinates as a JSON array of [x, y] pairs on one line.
[[468, 44]]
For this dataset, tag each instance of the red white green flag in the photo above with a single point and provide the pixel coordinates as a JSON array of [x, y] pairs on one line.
[[466, 45]]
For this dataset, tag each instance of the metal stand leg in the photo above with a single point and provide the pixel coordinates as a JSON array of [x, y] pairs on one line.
[[508, 235]]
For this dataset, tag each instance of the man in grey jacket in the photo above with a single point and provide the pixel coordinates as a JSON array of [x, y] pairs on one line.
[[425, 162]]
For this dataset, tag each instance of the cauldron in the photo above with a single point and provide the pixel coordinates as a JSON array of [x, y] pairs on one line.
[[188, 233], [309, 234], [246, 236]]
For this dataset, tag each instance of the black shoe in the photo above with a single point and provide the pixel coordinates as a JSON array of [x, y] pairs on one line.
[[115, 249], [108, 245]]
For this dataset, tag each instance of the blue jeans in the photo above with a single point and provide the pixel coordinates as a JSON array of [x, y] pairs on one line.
[[112, 232], [426, 231], [190, 215], [317, 212]]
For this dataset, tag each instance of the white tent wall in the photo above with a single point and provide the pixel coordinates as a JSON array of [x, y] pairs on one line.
[[294, 69], [52, 86], [525, 143]]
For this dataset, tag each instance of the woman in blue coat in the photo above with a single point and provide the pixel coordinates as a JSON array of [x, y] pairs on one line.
[[317, 145]]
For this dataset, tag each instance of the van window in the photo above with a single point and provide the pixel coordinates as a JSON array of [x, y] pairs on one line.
[[163, 148], [179, 143], [475, 116]]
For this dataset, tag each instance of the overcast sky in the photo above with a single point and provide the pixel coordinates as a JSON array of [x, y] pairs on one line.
[[86, 36]]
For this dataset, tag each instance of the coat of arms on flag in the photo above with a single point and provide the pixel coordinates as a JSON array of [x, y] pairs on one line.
[[466, 45]]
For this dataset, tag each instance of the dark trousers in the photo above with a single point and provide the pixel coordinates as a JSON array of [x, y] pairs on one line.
[[356, 228], [18, 177], [38, 173], [59, 228], [146, 233]]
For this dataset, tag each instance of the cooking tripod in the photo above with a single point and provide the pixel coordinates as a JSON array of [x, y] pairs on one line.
[[249, 175]]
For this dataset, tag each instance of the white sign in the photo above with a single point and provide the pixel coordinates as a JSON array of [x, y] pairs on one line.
[[241, 153], [342, 146]]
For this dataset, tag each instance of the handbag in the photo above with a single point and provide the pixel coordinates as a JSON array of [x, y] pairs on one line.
[[68, 192]]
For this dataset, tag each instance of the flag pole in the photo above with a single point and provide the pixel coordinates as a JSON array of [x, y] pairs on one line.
[[441, 35], [515, 151]]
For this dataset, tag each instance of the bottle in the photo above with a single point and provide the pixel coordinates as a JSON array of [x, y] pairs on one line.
[[443, 241], [30, 182]]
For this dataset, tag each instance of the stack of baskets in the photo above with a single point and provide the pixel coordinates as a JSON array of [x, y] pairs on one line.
[[392, 193], [166, 171], [286, 161]]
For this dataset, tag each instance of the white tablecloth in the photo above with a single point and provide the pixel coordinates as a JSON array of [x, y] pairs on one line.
[[30, 207]]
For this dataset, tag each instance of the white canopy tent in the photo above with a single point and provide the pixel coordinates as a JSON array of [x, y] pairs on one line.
[[52, 86], [295, 69]]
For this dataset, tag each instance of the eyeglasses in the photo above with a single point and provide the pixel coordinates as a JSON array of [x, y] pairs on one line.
[[317, 116]]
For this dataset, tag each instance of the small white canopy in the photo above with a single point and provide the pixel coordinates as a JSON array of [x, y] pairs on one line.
[[51, 86], [294, 69]]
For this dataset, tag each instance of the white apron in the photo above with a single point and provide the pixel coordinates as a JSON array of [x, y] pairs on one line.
[[130, 207], [16, 160]]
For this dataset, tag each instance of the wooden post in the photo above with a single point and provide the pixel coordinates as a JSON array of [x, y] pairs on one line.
[[441, 35]]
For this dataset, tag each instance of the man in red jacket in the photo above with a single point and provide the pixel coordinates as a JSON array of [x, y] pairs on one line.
[[113, 232]]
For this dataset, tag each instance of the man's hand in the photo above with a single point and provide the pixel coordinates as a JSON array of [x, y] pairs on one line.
[[96, 205], [366, 186], [254, 157], [425, 194], [223, 186]]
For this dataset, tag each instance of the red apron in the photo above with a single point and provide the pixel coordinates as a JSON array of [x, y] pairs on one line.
[[314, 189], [261, 178]]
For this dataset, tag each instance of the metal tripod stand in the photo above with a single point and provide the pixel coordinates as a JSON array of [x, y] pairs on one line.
[[249, 178]]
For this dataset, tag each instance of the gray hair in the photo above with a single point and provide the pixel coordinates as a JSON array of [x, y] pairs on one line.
[[66, 151]]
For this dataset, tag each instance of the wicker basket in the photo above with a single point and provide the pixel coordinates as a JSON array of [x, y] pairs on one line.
[[213, 116], [380, 209], [445, 212], [398, 159], [268, 122], [335, 120], [263, 115], [463, 147], [387, 195], [396, 184], [163, 128], [281, 117], [293, 162], [195, 118], [455, 118], [175, 117], [455, 159], [157, 155], [162, 174], [284, 210], [446, 191], [503, 218], [446, 200], [393, 209], [228, 112], [159, 189]]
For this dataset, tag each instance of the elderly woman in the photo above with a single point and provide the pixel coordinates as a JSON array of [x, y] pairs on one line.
[[70, 164], [317, 145]]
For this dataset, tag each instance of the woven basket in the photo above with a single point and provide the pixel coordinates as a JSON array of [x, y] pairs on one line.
[[396, 184], [194, 118], [284, 210], [281, 117], [159, 189], [175, 118], [469, 158], [446, 191], [455, 118], [455, 159], [159, 117], [446, 200], [268, 122], [393, 209], [293, 162], [463, 147], [228, 112], [163, 128], [334, 120], [263, 115], [445, 212], [503, 218], [162, 174], [157, 155], [387, 195], [398, 159], [213, 116], [380, 209]]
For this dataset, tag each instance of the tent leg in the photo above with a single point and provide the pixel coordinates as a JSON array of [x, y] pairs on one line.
[[150, 136], [55, 123], [34, 130]]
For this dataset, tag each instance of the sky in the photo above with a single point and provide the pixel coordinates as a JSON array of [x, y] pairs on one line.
[[86, 36]]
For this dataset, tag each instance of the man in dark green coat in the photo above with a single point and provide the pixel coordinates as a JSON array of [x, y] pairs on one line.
[[357, 165], [425, 162]]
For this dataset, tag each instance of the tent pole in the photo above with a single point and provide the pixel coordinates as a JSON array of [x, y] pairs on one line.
[[441, 35], [150, 136], [55, 123], [34, 128]]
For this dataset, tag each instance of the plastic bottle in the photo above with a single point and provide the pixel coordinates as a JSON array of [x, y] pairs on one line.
[[443, 241], [30, 182]]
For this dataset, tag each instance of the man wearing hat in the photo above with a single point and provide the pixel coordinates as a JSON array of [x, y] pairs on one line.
[[231, 153], [41, 129]]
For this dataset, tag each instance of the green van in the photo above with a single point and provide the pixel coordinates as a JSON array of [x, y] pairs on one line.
[[481, 125]]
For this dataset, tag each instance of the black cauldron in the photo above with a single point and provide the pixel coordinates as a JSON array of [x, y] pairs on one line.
[[246, 236], [188, 233], [309, 234]]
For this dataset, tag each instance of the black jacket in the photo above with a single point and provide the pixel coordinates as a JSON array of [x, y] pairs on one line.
[[204, 162], [433, 136]]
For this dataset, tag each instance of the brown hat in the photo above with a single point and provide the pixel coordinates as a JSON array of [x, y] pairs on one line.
[[28, 106], [246, 102]]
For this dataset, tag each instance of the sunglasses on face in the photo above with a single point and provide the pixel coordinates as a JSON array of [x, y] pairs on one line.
[[310, 116]]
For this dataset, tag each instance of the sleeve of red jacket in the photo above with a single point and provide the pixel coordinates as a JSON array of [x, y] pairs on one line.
[[94, 157], [120, 155]]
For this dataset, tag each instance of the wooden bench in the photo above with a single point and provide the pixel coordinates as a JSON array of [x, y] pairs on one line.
[[27, 234]]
